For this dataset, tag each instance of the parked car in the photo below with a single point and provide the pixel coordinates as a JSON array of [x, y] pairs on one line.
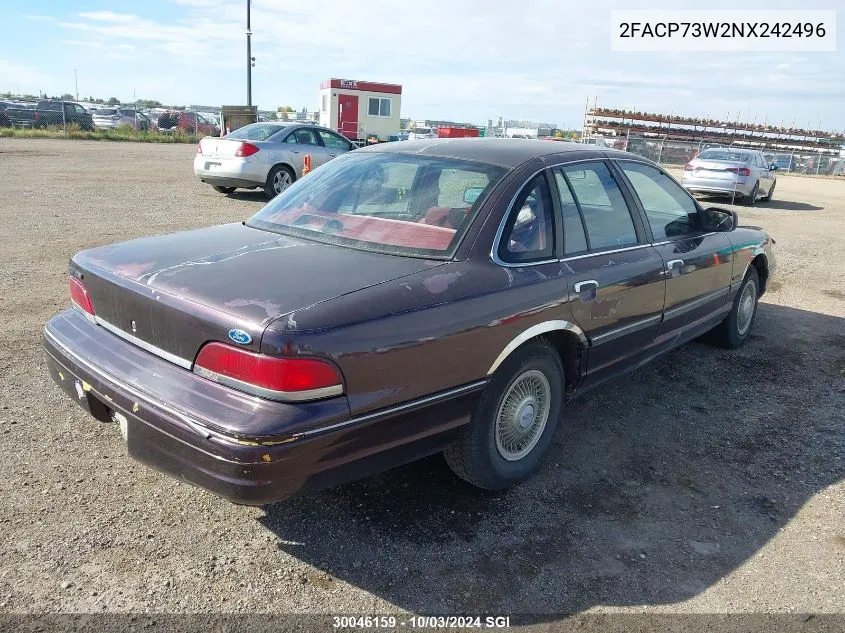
[[739, 173], [187, 122], [420, 133], [48, 112], [265, 155], [403, 299], [4, 118], [110, 118]]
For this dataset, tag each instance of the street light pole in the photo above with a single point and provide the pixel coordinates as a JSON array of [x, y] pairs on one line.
[[248, 57]]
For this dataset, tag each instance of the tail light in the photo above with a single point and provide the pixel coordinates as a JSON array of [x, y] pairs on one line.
[[246, 149], [79, 297], [689, 167], [37, 116], [741, 171], [199, 148], [268, 376]]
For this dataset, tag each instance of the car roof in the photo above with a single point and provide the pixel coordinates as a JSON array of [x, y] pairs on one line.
[[505, 152]]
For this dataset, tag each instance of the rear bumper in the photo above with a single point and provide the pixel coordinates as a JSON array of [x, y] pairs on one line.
[[228, 172], [718, 187], [174, 420]]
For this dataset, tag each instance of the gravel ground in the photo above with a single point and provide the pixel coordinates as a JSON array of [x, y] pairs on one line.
[[711, 481]]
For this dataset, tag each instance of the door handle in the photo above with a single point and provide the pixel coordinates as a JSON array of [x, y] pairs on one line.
[[586, 289], [583, 286], [674, 262]]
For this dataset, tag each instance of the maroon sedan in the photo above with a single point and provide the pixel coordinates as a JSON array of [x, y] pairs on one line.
[[404, 299]]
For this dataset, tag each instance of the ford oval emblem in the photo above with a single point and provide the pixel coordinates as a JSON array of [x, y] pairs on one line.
[[240, 337]]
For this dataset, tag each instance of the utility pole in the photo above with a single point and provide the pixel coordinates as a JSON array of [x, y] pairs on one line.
[[248, 57], [76, 84]]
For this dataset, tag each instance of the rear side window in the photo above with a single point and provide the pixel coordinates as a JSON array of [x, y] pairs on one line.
[[605, 212], [574, 236], [669, 209], [528, 234], [303, 137]]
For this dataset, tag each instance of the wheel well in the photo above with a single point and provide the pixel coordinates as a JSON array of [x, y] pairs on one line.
[[762, 265], [571, 352], [286, 166]]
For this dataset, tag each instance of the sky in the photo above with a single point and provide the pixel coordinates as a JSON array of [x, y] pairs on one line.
[[463, 60]]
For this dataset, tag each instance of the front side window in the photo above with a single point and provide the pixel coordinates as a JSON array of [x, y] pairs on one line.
[[333, 141], [605, 212], [401, 204], [670, 210], [528, 234], [378, 106]]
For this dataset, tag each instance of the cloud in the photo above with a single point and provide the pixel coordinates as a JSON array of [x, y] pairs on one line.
[[471, 61], [24, 77]]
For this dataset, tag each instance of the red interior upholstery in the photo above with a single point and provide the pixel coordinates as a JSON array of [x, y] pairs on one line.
[[371, 229], [437, 215]]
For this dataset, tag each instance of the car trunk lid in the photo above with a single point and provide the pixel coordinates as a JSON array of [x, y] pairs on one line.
[[219, 147], [716, 169], [170, 294]]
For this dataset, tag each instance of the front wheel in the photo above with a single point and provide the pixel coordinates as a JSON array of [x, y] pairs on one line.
[[769, 195], [751, 200], [734, 330], [514, 421]]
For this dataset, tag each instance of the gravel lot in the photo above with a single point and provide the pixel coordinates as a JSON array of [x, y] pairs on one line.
[[710, 481]]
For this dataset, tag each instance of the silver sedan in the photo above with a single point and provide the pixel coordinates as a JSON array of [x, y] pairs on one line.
[[270, 156], [739, 173]]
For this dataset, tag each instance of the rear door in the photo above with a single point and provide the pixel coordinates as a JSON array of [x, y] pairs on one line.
[[615, 281], [304, 142], [697, 264]]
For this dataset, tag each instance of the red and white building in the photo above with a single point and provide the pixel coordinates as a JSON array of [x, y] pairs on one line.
[[360, 109]]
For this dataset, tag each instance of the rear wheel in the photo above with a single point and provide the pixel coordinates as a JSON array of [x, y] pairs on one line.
[[219, 189], [734, 330], [514, 421], [280, 178]]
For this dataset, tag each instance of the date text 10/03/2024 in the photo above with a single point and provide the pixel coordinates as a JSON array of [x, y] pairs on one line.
[[420, 622]]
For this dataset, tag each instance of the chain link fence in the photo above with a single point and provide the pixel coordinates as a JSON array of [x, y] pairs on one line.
[[675, 153]]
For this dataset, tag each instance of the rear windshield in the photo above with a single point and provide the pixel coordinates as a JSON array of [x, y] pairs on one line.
[[384, 202], [104, 111], [255, 132], [725, 154]]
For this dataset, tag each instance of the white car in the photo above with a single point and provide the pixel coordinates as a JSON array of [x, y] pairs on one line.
[[270, 156], [421, 133], [724, 171]]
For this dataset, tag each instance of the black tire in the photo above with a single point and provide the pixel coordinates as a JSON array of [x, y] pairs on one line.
[[225, 190], [751, 199], [270, 189], [728, 333], [476, 456], [769, 195]]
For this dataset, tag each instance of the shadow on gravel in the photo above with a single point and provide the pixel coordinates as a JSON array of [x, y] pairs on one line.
[[780, 205], [657, 486]]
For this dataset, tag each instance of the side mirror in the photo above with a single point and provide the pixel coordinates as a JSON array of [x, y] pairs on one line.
[[773, 167], [722, 220]]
